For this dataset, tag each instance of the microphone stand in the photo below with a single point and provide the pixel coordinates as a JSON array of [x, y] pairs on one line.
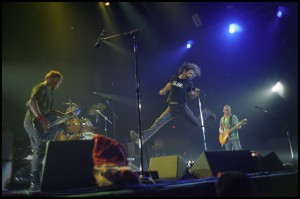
[[133, 33], [106, 119], [287, 133], [202, 124]]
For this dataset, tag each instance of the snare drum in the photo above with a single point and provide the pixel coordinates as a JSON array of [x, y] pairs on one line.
[[88, 135]]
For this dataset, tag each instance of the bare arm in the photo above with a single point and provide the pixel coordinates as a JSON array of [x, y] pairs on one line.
[[37, 113], [165, 89]]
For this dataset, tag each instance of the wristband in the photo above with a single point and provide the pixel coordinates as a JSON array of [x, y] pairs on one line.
[[40, 117]]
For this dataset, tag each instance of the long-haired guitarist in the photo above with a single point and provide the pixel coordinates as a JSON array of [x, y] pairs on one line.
[[229, 121], [39, 106]]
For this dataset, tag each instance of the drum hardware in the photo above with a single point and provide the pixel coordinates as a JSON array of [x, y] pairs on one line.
[[86, 125]]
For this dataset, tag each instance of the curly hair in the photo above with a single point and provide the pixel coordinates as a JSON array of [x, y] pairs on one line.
[[190, 66]]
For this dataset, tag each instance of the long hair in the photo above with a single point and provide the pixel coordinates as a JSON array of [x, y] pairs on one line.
[[190, 66]]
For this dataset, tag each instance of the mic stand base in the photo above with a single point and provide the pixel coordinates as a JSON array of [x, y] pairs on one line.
[[145, 179]]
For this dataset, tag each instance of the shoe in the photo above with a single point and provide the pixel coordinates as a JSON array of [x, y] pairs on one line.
[[135, 137], [210, 115], [34, 187]]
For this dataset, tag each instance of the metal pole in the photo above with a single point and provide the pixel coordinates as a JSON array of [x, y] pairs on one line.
[[202, 124]]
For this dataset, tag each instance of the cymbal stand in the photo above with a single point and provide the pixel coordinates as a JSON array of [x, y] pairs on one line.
[[105, 119], [112, 108]]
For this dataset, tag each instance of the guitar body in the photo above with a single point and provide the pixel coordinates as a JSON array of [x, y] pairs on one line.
[[52, 129], [54, 121], [223, 136]]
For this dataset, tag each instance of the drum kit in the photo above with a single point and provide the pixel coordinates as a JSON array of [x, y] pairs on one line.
[[80, 128]]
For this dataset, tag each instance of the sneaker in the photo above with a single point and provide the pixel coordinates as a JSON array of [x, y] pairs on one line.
[[135, 137], [210, 115], [34, 188]]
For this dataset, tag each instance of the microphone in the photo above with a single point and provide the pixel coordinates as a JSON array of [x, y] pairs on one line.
[[260, 108], [97, 44]]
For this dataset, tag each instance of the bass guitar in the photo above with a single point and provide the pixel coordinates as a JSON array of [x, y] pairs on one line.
[[54, 120], [223, 136]]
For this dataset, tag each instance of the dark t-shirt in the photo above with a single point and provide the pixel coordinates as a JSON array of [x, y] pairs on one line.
[[44, 96], [179, 89]]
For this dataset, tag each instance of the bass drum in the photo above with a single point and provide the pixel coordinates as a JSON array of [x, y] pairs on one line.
[[82, 136], [61, 136]]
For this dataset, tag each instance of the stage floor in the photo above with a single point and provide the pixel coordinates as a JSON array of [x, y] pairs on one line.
[[268, 184]]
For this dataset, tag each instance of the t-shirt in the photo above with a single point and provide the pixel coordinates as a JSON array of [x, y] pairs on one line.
[[44, 96], [227, 124], [179, 89]]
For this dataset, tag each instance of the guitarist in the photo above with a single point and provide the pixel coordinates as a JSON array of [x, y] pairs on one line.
[[228, 121], [39, 106]]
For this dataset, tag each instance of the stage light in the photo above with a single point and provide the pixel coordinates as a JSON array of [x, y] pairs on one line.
[[106, 3], [189, 44], [279, 14], [234, 28], [282, 12], [278, 88]]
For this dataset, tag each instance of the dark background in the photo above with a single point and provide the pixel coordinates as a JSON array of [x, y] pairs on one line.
[[238, 69]]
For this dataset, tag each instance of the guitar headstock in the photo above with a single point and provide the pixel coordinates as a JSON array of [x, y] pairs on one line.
[[243, 121]]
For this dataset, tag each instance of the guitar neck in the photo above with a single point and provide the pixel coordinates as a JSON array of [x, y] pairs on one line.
[[59, 120]]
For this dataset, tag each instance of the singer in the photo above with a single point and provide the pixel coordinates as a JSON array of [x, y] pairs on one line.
[[180, 86]]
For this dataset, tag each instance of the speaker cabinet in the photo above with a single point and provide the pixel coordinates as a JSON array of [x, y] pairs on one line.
[[68, 165], [168, 167], [213, 162], [271, 162]]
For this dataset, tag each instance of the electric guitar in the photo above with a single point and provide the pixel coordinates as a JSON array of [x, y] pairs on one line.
[[223, 136], [52, 118]]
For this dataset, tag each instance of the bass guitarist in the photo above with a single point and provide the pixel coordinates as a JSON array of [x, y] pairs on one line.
[[227, 122], [37, 122]]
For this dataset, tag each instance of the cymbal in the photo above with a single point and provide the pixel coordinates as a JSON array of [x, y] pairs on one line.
[[93, 109], [68, 103]]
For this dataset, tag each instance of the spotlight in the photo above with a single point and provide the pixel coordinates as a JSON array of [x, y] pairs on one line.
[[278, 88], [189, 44], [282, 11], [106, 3], [234, 28], [279, 14]]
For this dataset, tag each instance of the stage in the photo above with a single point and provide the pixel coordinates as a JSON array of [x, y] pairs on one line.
[[268, 184]]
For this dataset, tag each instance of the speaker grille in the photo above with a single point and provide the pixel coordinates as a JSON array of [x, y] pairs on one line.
[[168, 167]]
